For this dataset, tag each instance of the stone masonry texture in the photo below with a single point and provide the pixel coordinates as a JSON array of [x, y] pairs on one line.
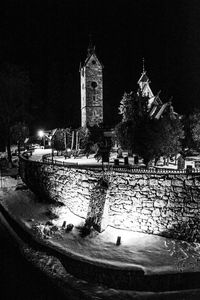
[[162, 204]]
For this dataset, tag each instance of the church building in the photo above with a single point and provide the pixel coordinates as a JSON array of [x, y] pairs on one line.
[[91, 75], [156, 107], [91, 80]]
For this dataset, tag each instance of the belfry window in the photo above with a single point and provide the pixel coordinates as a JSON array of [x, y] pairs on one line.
[[93, 84]]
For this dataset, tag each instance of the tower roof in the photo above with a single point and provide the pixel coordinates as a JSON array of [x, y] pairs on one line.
[[144, 77], [91, 53], [91, 48]]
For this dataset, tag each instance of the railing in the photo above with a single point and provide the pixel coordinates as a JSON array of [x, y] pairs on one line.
[[47, 159]]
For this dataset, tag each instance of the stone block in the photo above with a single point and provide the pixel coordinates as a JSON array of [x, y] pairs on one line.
[[153, 182], [178, 189], [177, 183], [145, 189], [156, 212], [156, 230], [141, 182], [165, 214], [166, 183], [132, 182], [144, 217], [160, 203], [144, 227], [85, 184], [148, 204], [191, 205], [127, 207], [122, 186], [188, 182], [162, 228], [146, 211]]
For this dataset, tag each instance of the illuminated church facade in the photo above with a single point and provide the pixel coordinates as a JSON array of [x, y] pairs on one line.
[[91, 81], [156, 108]]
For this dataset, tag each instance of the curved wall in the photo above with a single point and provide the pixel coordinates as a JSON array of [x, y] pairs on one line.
[[164, 204]]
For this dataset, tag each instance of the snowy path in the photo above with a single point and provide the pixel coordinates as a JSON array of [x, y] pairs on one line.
[[154, 254], [20, 279]]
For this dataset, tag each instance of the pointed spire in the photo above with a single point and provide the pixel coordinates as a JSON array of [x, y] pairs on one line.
[[144, 77], [143, 68], [91, 46]]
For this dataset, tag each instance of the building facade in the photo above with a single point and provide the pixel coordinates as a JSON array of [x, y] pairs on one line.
[[91, 79], [156, 107]]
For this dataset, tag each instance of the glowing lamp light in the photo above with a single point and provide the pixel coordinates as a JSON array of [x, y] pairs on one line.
[[40, 133]]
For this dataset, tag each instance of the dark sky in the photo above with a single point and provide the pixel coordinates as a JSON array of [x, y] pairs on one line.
[[50, 38]]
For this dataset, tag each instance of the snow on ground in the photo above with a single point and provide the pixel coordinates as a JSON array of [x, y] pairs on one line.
[[38, 153], [72, 286], [154, 254], [83, 160]]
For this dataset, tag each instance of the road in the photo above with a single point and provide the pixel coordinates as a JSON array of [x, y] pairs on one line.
[[18, 278]]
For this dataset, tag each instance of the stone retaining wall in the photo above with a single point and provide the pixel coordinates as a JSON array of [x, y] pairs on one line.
[[164, 204]]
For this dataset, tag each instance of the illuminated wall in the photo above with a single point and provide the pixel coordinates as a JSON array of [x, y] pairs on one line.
[[159, 204]]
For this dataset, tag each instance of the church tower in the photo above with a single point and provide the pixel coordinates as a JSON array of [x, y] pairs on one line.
[[144, 84], [91, 74]]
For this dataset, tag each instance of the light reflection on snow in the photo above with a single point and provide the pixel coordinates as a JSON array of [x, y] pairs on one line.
[[150, 252]]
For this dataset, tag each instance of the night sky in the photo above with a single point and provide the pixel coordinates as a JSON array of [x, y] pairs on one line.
[[50, 39]]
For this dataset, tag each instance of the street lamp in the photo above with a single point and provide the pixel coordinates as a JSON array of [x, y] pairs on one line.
[[42, 135]]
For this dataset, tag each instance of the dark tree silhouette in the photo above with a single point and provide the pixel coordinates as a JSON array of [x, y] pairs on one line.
[[194, 129], [89, 137], [133, 106], [156, 138], [62, 139], [125, 132], [14, 99], [19, 132]]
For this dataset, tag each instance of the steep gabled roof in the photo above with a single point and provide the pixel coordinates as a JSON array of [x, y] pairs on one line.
[[162, 109], [158, 101], [153, 110], [151, 101], [90, 55], [143, 77], [146, 90]]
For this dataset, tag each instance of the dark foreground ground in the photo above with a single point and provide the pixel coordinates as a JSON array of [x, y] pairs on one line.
[[18, 278]]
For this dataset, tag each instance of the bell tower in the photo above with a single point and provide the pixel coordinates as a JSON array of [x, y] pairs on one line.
[[91, 74]]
